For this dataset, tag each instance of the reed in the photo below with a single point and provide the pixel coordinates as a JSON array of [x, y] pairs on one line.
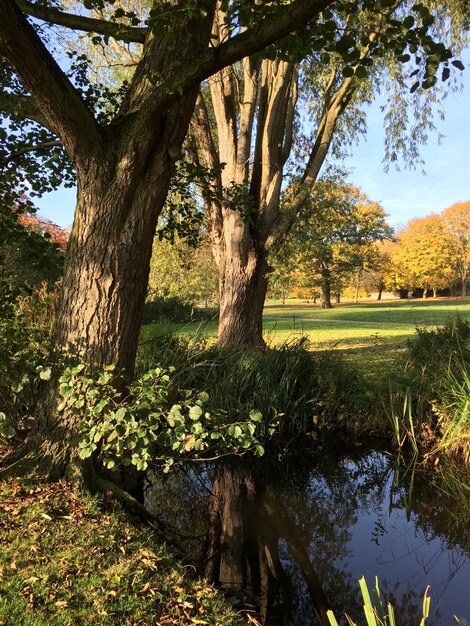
[[374, 611], [302, 388]]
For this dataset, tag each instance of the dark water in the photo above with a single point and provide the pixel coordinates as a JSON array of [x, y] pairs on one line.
[[353, 516], [366, 516]]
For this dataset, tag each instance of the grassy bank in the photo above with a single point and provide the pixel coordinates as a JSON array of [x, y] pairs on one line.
[[67, 558], [428, 397], [372, 335]]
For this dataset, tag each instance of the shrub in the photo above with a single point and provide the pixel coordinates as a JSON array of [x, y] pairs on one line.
[[25, 325], [173, 310], [435, 390]]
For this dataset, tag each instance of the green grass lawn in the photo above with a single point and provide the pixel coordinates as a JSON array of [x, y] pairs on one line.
[[371, 334]]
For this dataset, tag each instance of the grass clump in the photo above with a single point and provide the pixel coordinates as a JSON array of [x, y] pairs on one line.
[[67, 558], [436, 390], [304, 389]]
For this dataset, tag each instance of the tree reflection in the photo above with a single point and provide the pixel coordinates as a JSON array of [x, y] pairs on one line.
[[277, 535]]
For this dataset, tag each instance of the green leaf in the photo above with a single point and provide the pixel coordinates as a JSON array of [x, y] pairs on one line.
[[112, 436], [256, 416], [195, 412], [120, 413], [45, 374], [259, 450], [331, 618]]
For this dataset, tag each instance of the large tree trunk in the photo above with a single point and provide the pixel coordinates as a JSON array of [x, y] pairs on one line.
[[106, 276], [242, 287]]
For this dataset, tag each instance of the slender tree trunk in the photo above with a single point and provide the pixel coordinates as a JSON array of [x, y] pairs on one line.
[[356, 286], [325, 301], [338, 297], [464, 287], [434, 292], [379, 295]]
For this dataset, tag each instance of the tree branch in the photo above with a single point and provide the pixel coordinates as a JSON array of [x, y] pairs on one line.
[[52, 15], [266, 32], [62, 106], [30, 148]]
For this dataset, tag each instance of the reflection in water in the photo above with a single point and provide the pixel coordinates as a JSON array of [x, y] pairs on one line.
[[295, 539]]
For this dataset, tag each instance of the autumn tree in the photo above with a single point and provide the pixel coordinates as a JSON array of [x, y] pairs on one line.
[[31, 251], [422, 256], [247, 119], [456, 219], [331, 237], [376, 276]]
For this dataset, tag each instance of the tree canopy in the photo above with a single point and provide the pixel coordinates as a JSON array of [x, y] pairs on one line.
[[333, 236]]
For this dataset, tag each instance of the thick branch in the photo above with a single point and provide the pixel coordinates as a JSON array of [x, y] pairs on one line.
[[266, 32], [65, 111], [52, 15]]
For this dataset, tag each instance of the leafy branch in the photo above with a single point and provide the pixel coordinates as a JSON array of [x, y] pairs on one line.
[[145, 426]]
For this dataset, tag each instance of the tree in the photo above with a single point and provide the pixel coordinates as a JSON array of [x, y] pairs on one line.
[[248, 120], [456, 219], [332, 236], [31, 252], [123, 148], [182, 271], [376, 276], [422, 256]]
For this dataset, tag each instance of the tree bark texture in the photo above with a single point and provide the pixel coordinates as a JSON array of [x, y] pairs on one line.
[[253, 108], [123, 173]]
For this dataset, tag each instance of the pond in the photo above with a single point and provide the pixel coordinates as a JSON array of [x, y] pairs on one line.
[[288, 538]]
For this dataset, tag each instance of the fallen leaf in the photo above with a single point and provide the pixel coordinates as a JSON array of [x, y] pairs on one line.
[[61, 603]]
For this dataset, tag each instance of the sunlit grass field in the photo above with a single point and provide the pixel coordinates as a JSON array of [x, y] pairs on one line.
[[371, 334]]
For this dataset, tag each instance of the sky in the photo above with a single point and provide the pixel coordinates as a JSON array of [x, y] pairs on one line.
[[403, 194]]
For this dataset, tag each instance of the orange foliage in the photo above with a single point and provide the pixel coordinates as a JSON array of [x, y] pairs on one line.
[[422, 256], [57, 234]]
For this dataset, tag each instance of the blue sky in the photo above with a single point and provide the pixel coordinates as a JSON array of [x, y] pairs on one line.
[[404, 194]]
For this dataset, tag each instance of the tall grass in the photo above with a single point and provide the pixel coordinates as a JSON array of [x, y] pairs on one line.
[[306, 390], [437, 386]]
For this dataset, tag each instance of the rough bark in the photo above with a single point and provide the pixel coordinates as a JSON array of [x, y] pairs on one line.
[[123, 177], [242, 292], [240, 233]]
